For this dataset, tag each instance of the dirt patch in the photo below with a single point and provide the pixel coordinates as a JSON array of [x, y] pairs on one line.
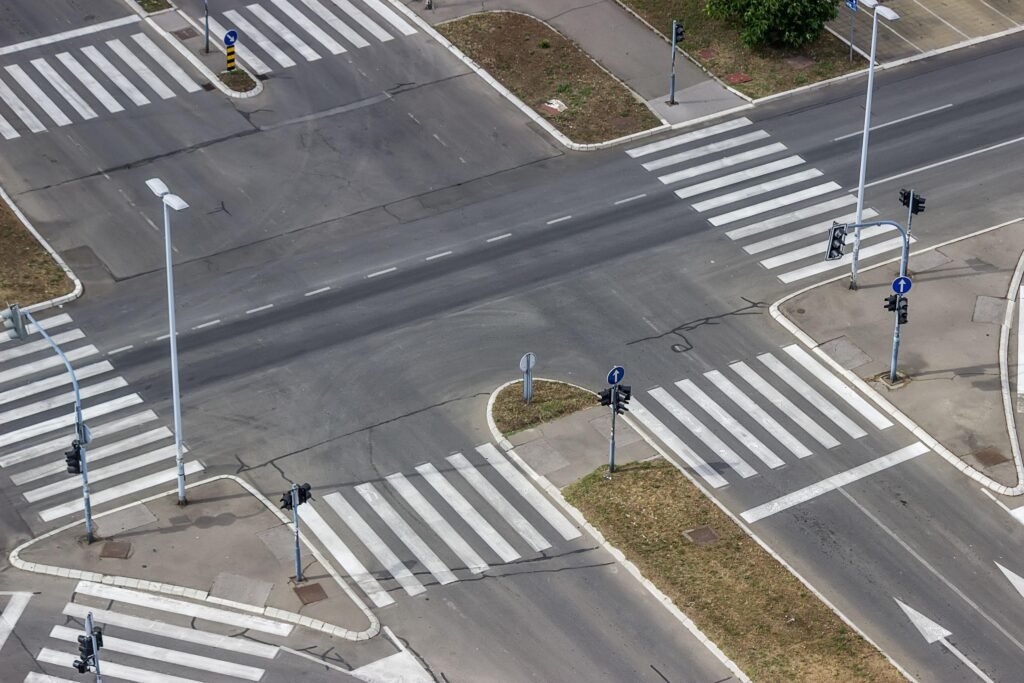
[[717, 46], [28, 274], [539, 64], [550, 400], [237, 80], [153, 5], [761, 616]]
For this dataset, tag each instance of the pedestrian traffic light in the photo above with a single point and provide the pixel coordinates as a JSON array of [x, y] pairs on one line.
[[623, 392], [679, 31], [890, 302], [905, 197], [606, 397], [12, 317], [85, 648], [836, 242], [304, 493], [913, 201], [73, 458], [917, 205], [286, 500], [902, 309]]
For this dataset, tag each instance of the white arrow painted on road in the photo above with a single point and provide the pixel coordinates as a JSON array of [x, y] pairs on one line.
[[933, 632], [12, 612], [1015, 579]]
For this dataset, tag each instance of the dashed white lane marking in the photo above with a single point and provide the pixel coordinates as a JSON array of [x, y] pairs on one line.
[[437, 256], [209, 324], [163, 337], [500, 237], [317, 291], [559, 220], [258, 309], [438, 138], [629, 199], [382, 272]]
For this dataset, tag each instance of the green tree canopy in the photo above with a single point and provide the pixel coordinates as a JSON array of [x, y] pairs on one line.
[[780, 23]]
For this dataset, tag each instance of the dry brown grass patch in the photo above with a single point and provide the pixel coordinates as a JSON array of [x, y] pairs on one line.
[[550, 400], [28, 274]]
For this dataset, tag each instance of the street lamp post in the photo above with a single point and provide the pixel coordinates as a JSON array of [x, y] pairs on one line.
[[885, 13], [172, 201]]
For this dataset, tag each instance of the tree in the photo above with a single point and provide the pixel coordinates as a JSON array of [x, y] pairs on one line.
[[780, 23]]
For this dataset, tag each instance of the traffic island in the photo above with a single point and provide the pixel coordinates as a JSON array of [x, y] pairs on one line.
[[29, 273], [237, 80], [151, 6], [549, 401], [552, 75]]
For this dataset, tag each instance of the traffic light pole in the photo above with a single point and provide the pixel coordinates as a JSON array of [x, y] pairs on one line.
[[91, 633], [611, 439], [672, 81], [295, 518], [80, 429]]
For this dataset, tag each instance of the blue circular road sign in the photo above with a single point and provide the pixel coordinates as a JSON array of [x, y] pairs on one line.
[[230, 38], [902, 284], [616, 374]]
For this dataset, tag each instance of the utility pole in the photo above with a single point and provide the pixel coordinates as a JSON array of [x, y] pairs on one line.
[[678, 33]]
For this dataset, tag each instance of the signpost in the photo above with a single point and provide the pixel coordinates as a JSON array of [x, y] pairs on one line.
[[526, 364], [615, 397], [230, 38], [206, 31], [902, 284], [852, 4]]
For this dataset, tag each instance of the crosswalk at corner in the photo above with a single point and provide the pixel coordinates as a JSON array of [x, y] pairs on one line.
[[763, 196], [131, 453]]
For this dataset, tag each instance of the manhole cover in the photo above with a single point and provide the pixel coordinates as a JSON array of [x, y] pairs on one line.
[[702, 535], [208, 87], [116, 550], [310, 593], [185, 33], [990, 456]]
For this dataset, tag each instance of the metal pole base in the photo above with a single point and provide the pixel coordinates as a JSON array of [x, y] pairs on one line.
[[853, 285], [182, 502]]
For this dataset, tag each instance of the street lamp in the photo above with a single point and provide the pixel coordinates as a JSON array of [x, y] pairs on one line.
[[172, 201], [889, 14]]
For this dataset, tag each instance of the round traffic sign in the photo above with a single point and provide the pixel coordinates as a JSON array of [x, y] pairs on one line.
[[230, 38], [527, 362], [902, 284], [616, 374]]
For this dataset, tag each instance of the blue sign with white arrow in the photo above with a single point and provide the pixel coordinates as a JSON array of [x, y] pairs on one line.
[[852, 4], [902, 284], [616, 374], [230, 38]]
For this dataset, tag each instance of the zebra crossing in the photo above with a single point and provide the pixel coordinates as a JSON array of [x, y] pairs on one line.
[[730, 172], [283, 33], [70, 86], [450, 520], [154, 647], [131, 453], [780, 409]]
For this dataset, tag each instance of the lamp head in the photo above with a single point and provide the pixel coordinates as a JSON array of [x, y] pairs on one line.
[[158, 187], [161, 190]]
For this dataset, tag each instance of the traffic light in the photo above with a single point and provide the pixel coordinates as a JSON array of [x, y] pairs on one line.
[[80, 666], [623, 392], [913, 201], [606, 397], [73, 458], [679, 31], [890, 302], [13, 318], [918, 206], [836, 242], [286, 500], [902, 309], [304, 493], [85, 648], [97, 633]]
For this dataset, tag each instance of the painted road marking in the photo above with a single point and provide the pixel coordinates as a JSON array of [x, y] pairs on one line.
[[257, 64], [259, 308], [112, 669], [834, 482], [818, 248], [286, 34], [119, 403], [67, 35], [363, 20], [15, 607], [811, 395], [36, 93], [559, 220], [846, 393], [53, 382], [499, 237], [818, 229], [824, 266], [772, 204], [755, 190], [791, 217], [207, 324], [9, 133], [333, 46], [437, 256], [318, 291], [41, 345], [61, 399], [676, 445], [389, 16], [134, 62], [120, 349], [250, 31], [46, 363], [705, 150], [767, 422], [739, 177], [337, 24], [166, 63], [382, 272], [892, 123], [20, 110], [629, 199], [687, 138], [115, 76], [91, 84], [724, 162], [103, 473], [93, 454], [60, 442]]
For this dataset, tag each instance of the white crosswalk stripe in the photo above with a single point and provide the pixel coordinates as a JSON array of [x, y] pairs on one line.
[[705, 150], [739, 177], [134, 62], [61, 400], [166, 63], [91, 84], [34, 677], [286, 33], [808, 392], [128, 488], [722, 163], [337, 24], [7, 131], [389, 16], [267, 45], [115, 76], [754, 190], [36, 93], [39, 386], [676, 445], [791, 217], [767, 422], [687, 138], [93, 455], [28, 348], [243, 52], [112, 669], [64, 89], [102, 473], [20, 110], [114, 405], [817, 248], [816, 230], [98, 431], [289, 10], [772, 204], [360, 18], [823, 375], [825, 266]]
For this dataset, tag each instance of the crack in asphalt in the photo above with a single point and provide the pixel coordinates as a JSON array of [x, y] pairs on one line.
[[752, 308]]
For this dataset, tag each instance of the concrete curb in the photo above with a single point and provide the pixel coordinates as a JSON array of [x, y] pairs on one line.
[[880, 400], [198, 64], [578, 517], [1004, 371], [60, 300], [203, 596]]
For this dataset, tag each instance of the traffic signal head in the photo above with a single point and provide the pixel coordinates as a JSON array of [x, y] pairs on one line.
[[836, 242], [918, 205], [606, 397], [97, 633], [73, 458], [902, 310], [286, 500], [623, 392], [890, 302], [905, 197], [305, 494], [85, 648], [14, 319], [80, 666], [680, 32]]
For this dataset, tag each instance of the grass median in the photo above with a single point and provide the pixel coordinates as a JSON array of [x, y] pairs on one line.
[[28, 274], [761, 616], [539, 64], [717, 46], [550, 400]]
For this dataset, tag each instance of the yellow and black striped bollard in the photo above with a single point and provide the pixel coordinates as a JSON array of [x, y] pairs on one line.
[[231, 57]]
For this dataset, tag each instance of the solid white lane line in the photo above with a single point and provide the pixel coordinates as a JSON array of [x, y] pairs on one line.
[[499, 237], [834, 482], [855, 400], [382, 272], [93, 454], [20, 110], [119, 403], [207, 324], [90, 83], [427, 557], [267, 45], [113, 669], [243, 52], [437, 256], [559, 220], [317, 291], [115, 492], [892, 123], [675, 444], [120, 349], [951, 160], [37, 94], [116, 77], [286, 34], [731, 425], [375, 544], [816, 230], [784, 405], [103, 473], [46, 363], [705, 150], [867, 252], [166, 63], [767, 422], [66, 35], [688, 420], [818, 248], [68, 398], [531, 493], [772, 204], [468, 513], [438, 524], [333, 46], [724, 162], [498, 502], [738, 177], [241, 645], [12, 611], [53, 382], [811, 395], [343, 554], [258, 309], [337, 24], [755, 190], [167, 604], [390, 16], [136, 65], [98, 431], [9, 133], [61, 86], [791, 217], [41, 345], [366, 22], [146, 651], [687, 138], [629, 199]]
